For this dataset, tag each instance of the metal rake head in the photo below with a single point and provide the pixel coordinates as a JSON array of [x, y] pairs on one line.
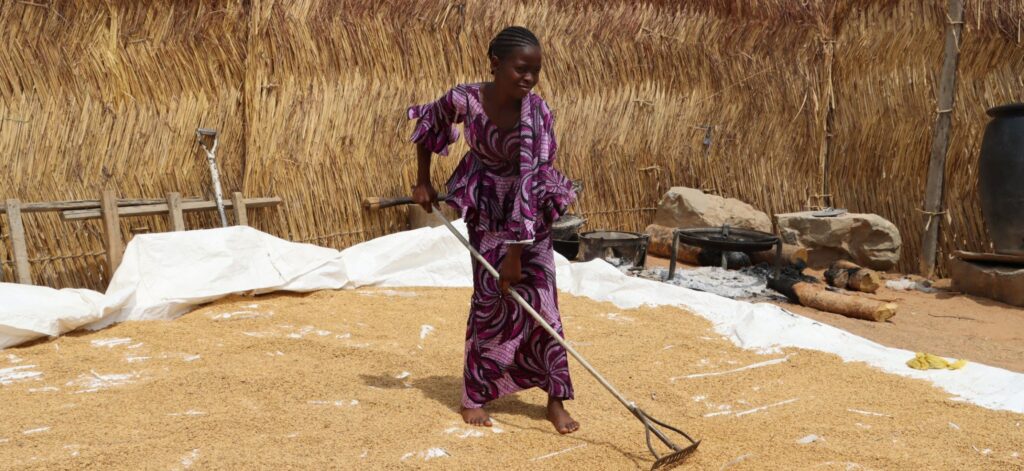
[[676, 454], [675, 458]]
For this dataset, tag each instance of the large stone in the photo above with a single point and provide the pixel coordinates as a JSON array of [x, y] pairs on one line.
[[1000, 283], [868, 240], [688, 207]]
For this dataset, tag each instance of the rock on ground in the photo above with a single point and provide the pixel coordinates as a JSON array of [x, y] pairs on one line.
[[868, 240], [689, 207]]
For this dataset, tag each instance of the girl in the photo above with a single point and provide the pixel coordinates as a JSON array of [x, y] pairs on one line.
[[509, 194]]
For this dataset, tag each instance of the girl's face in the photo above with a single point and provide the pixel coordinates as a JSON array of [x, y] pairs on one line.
[[518, 73]]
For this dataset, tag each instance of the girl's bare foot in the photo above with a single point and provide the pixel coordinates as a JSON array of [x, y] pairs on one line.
[[476, 417], [560, 417]]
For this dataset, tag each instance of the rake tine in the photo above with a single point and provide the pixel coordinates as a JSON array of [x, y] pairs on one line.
[[677, 454], [663, 424], [649, 426], [674, 459], [650, 446]]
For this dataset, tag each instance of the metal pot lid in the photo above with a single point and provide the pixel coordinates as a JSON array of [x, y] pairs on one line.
[[730, 239], [829, 213]]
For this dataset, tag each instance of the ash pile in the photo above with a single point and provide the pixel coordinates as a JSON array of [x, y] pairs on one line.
[[748, 283]]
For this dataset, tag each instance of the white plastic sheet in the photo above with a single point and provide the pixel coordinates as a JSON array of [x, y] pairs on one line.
[[763, 327], [165, 275], [766, 328], [422, 257], [30, 312]]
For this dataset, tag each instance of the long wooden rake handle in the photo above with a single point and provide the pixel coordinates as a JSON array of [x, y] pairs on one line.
[[376, 202], [678, 453]]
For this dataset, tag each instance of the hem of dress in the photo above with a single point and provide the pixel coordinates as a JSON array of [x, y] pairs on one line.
[[467, 403]]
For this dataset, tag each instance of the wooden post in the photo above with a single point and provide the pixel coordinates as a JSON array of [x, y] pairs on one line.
[[940, 142], [238, 202], [22, 269], [111, 231], [174, 213], [829, 124]]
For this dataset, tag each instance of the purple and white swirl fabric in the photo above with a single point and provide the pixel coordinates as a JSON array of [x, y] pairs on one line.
[[508, 191]]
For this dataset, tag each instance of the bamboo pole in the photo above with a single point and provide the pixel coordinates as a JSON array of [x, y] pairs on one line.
[[829, 47], [940, 142]]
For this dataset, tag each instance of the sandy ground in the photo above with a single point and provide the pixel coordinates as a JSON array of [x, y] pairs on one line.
[[946, 323], [370, 379]]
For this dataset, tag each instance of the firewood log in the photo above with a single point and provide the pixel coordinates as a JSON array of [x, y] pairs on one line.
[[661, 245], [848, 275], [813, 295], [791, 255]]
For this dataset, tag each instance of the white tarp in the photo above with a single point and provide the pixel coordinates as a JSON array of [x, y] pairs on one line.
[[29, 312], [165, 275]]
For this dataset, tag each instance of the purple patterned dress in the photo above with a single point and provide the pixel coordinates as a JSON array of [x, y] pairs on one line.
[[508, 192]]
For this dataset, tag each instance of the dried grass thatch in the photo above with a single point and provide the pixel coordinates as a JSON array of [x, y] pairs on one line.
[[310, 95], [100, 98], [888, 56]]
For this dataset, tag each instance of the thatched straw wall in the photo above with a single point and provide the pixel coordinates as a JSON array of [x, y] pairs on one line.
[[95, 98], [991, 73], [887, 60], [310, 98], [329, 87]]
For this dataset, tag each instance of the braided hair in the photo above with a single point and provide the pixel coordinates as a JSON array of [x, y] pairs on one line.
[[510, 39]]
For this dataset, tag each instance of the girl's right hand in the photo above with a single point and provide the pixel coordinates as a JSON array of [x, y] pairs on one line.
[[424, 195]]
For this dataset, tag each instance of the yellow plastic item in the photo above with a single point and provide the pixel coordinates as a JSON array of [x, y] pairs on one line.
[[927, 361]]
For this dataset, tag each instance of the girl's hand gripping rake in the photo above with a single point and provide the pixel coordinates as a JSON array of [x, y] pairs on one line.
[[675, 453]]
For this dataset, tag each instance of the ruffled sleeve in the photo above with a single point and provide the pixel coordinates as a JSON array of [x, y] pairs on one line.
[[435, 125], [557, 189], [542, 190]]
